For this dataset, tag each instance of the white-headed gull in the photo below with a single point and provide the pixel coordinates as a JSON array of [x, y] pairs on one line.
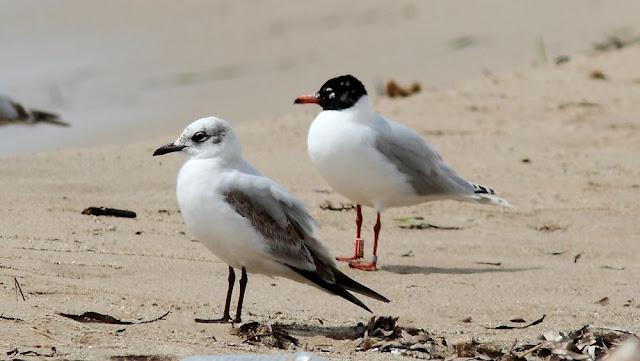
[[248, 220]]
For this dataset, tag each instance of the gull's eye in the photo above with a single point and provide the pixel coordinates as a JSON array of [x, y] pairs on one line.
[[199, 137]]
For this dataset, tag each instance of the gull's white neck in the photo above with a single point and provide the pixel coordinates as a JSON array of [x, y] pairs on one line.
[[361, 111]]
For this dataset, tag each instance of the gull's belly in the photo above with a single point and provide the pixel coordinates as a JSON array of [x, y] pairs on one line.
[[353, 167], [219, 228]]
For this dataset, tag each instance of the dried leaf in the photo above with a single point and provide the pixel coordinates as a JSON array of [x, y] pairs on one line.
[[112, 212], [95, 317]]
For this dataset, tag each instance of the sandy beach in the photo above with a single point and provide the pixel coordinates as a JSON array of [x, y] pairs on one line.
[[558, 143]]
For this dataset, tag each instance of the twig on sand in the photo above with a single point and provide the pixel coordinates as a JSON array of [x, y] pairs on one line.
[[507, 327], [16, 285], [3, 317]]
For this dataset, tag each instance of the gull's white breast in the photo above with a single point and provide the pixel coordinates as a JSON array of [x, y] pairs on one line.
[[342, 148], [215, 224]]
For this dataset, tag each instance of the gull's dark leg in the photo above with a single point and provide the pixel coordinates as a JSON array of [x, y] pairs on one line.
[[227, 305], [370, 266], [243, 286], [358, 246]]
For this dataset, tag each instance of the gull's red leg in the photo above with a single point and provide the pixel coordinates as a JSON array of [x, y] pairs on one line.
[[358, 244], [370, 266]]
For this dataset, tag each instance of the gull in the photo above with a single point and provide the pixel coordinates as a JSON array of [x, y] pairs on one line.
[[247, 220], [377, 162], [13, 112]]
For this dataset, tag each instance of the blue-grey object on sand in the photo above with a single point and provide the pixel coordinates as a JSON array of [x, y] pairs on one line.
[[300, 356]]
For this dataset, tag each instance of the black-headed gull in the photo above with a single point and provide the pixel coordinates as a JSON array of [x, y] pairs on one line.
[[246, 219], [377, 162], [13, 112]]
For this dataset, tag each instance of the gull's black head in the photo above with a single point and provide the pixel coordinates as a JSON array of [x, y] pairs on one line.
[[336, 94]]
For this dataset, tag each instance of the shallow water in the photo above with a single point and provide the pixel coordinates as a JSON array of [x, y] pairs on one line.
[[123, 71]]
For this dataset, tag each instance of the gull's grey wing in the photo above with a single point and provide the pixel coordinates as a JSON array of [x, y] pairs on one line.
[[418, 161], [288, 230], [283, 222]]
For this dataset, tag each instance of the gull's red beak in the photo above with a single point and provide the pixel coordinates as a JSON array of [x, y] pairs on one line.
[[306, 99]]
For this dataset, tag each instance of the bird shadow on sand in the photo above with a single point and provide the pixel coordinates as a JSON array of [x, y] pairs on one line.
[[405, 270]]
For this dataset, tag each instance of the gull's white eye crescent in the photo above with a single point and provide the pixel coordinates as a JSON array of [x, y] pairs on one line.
[[332, 95]]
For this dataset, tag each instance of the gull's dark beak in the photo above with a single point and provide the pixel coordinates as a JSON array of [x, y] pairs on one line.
[[307, 99], [168, 148]]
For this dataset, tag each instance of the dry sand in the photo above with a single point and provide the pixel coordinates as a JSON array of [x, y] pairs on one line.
[[579, 193]]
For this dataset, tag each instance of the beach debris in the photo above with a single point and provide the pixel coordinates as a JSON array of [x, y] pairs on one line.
[[603, 301], [577, 257], [490, 263], [597, 74], [95, 317], [18, 289], [112, 212], [557, 253], [16, 352], [408, 254], [298, 356], [467, 320], [588, 343], [7, 318], [550, 227], [513, 327], [143, 358], [270, 335], [329, 206], [394, 90], [615, 268], [383, 334], [525, 160]]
